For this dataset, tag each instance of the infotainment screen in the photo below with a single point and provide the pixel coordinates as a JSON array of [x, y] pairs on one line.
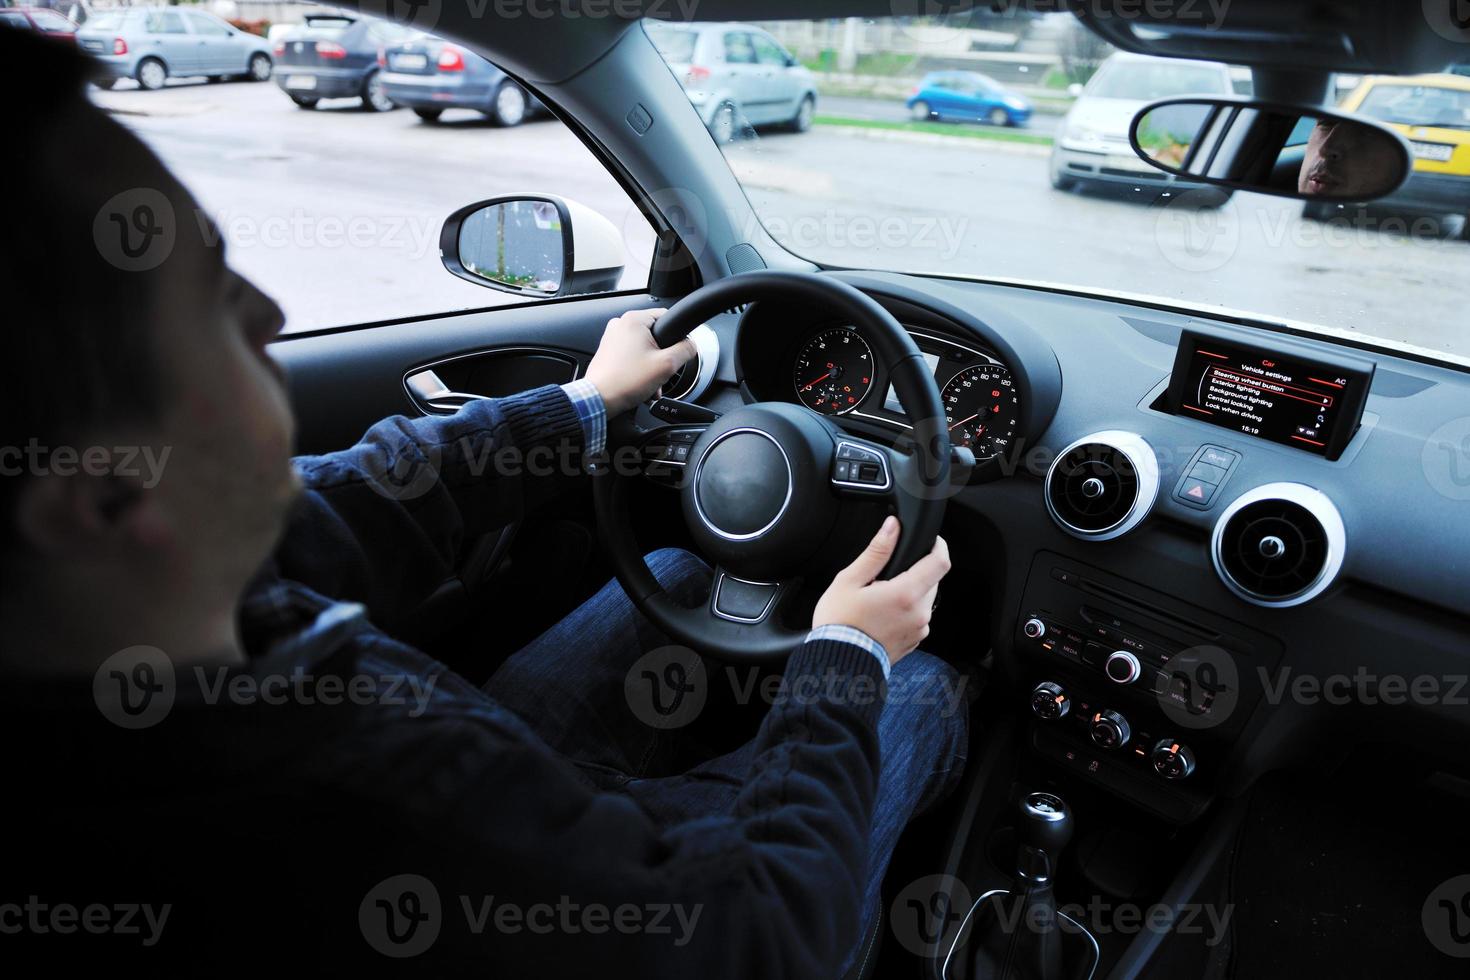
[[1298, 399]]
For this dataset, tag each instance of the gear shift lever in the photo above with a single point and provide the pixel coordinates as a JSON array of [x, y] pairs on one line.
[[1016, 936]]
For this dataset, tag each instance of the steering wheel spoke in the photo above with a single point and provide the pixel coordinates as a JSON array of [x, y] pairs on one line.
[[741, 600], [665, 453]]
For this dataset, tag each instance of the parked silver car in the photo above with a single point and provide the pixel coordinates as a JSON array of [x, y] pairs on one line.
[[737, 76], [150, 44]]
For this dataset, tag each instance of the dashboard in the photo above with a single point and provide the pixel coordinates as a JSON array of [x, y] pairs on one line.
[[1178, 514]]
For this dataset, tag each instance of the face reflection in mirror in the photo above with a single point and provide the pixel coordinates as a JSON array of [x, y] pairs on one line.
[[517, 243], [1348, 161]]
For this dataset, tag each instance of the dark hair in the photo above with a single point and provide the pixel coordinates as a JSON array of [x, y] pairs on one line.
[[77, 327]]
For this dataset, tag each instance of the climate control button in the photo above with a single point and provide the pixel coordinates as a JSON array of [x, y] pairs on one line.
[[1172, 760], [1110, 730], [1049, 701]]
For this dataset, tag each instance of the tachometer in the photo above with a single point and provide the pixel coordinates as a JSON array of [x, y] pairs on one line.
[[834, 371], [981, 409]]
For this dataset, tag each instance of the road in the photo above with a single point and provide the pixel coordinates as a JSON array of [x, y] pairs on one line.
[[336, 212]]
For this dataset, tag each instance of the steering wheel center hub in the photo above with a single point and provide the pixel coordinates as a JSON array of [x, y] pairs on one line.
[[743, 484], [757, 499]]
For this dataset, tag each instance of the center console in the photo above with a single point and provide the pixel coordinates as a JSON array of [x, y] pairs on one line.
[[1134, 691]]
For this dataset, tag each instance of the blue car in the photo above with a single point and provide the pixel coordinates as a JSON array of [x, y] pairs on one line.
[[967, 96]]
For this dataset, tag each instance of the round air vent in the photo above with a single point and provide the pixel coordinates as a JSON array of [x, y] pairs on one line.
[[1103, 485], [691, 380], [1279, 545]]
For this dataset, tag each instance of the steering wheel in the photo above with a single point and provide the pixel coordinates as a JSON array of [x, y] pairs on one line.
[[767, 488]]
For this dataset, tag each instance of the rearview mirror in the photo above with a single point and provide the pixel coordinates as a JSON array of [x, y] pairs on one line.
[[1290, 151], [533, 245]]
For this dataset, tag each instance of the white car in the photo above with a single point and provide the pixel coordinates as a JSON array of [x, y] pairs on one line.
[[737, 76], [1091, 147]]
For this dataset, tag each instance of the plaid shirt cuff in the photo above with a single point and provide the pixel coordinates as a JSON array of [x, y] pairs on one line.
[[855, 636], [587, 403]]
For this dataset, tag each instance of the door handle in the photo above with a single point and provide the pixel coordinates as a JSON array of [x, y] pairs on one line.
[[434, 394]]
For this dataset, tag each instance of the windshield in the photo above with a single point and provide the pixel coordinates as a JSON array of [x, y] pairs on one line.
[[1143, 81], [676, 46], [1044, 188], [1418, 105]]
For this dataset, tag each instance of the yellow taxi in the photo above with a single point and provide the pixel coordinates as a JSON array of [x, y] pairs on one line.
[[1433, 114]]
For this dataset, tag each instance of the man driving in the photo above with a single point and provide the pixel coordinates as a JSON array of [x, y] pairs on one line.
[[1347, 161], [212, 719]]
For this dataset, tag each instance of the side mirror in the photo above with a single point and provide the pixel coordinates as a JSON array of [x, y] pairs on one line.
[[533, 245], [1074, 90], [1286, 150]]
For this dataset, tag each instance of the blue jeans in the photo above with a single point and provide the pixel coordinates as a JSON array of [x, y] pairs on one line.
[[569, 686]]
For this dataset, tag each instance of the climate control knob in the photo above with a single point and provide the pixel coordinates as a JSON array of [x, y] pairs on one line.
[[1110, 730], [1172, 759], [1049, 702], [1122, 667], [1034, 628]]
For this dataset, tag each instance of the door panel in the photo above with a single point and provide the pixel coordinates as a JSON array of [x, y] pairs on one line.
[[342, 382]]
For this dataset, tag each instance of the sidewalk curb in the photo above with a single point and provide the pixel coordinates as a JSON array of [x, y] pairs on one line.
[[937, 139]]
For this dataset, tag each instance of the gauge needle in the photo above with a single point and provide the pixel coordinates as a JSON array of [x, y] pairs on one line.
[[963, 421], [822, 378]]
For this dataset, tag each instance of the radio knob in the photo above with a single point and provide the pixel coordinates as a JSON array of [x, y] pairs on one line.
[[1172, 760], [1034, 628], [1122, 667], [1110, 730], [1049, 702]]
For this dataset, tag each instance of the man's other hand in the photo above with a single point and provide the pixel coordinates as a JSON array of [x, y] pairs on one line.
[[894, 612], [628, 366]]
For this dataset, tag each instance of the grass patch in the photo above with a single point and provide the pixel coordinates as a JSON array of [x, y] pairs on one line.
[[958, 130]]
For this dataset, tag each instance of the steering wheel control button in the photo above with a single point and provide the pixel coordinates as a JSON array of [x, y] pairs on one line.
[[1205, 475], [1122, 667], [1109, 730], [860, 467], [740, 601], [1049, 702], [743, 484], [1172, 760]]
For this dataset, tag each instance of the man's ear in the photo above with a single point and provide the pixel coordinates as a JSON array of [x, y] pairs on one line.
[[74, 514]]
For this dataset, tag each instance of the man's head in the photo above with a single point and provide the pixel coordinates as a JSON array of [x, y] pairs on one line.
[[144, 432], [1347, 161]]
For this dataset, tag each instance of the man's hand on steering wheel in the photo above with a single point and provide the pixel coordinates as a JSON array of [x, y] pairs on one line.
[[629, 366], [894, 612]]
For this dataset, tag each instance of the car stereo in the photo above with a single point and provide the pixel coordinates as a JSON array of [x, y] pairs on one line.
[[1287, 394]]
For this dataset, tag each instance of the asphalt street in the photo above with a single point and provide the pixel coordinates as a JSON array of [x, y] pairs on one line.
[[336, 212]]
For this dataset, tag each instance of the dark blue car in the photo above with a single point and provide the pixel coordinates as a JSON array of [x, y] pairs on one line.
[[967, 96], [335, 56], [429, 75]]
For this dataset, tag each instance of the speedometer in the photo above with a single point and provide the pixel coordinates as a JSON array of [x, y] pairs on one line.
[[834, 371], [981, 409]]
